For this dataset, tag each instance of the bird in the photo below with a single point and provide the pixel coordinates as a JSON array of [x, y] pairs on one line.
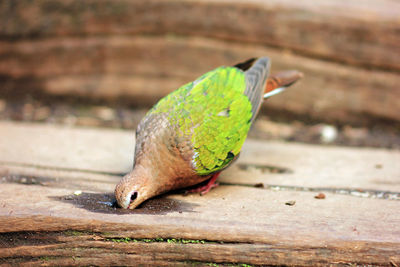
[[198, 130]]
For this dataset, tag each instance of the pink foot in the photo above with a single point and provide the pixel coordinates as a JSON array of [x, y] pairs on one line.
[[206, 188]]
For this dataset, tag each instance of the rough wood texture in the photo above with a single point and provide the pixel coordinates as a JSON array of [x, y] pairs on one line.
[[287, 164], [355, 32], [146, 69], [138, 51], [43, 222]]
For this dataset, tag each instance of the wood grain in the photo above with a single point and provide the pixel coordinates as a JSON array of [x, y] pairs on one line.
[[79, 250], [79, 150], [142, 70], [353, 32], [43, 222]]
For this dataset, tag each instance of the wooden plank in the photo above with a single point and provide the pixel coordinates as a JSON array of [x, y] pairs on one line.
[[317, 166], [340, 228], [163, 253], [142, 70], [303, 26], [275, 163], [46, 223], [343, 227], [67, 148]]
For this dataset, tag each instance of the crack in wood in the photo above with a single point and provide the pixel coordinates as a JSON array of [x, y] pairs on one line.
[[356, 192], [365, 193], [70, 246], [263, 168], [242, 166], [38, 166], [25, 179], [42, 238]]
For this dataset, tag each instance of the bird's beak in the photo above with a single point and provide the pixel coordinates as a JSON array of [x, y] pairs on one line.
[[136, 199]]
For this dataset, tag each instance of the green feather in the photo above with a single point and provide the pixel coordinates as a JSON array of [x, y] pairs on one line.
[[214, 113]]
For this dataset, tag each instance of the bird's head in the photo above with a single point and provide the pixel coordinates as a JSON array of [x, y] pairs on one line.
[[133, 189]]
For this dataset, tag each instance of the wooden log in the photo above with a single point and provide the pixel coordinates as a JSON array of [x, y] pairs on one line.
[[142, 70], [363, 34], [46, 223]]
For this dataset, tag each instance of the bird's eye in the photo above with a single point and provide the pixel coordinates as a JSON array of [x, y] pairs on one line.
[[134, 196]]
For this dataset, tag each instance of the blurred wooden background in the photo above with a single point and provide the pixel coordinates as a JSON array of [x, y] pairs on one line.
[[138, 51]]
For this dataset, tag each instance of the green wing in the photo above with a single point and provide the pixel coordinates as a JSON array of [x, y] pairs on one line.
[[214, 113]]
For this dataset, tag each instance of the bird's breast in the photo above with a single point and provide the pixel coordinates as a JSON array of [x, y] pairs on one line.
[[168, 155]]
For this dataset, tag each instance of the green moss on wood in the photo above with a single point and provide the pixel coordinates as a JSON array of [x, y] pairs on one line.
[[159, 240], [74, 233]]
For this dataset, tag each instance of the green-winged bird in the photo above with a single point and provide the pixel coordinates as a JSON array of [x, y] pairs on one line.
[[198, 130]]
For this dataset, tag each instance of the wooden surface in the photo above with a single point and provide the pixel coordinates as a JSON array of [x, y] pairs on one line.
[[141, 70], [245, 220], [331, 29], [138, 51]]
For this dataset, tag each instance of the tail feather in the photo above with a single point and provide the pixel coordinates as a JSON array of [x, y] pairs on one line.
[[246, 64], [258, 86], [256, 72], [280, 81]]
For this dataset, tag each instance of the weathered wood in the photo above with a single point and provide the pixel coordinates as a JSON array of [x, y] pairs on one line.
[[338, 229], [353, 32], [43, 222], [67, 152], [67, 148], [61, 246], [142, 70]]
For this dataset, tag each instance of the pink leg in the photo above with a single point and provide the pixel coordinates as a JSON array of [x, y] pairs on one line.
[[206, 188]]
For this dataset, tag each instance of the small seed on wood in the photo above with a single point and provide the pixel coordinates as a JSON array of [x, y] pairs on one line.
[[290, 203], [320, 196]]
